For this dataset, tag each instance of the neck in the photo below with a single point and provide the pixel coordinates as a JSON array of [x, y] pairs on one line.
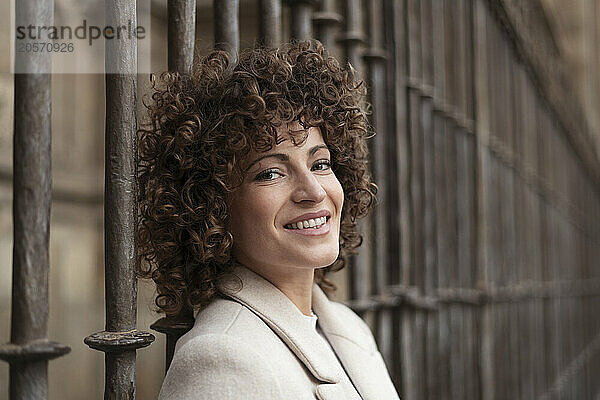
[[295, 283]]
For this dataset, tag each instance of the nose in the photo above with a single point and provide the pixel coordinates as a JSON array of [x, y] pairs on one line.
[[308, 189]]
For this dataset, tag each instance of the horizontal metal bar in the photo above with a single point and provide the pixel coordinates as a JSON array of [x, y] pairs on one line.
[[402, 295], [172, 325], [36, 350], [327, 18], [441, 107], [109, 342]]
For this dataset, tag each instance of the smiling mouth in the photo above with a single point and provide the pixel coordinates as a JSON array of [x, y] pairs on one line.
[[312, 223]]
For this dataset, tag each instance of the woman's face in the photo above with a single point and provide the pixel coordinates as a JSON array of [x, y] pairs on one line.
[[284, 189]]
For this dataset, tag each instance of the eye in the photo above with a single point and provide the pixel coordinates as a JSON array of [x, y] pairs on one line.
[[322, 165], [268, 175]]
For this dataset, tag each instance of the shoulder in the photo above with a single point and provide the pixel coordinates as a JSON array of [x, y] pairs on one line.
[[227, 317], [218, 366], [216, 318], [213, 361]]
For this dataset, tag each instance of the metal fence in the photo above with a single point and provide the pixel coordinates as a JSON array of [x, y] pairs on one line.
[[480, 268]]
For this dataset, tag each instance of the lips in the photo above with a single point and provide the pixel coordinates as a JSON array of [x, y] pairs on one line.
[[314, 231], [309, 216]]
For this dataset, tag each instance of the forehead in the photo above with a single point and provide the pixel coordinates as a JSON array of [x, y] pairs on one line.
[[296, 137], [290, 139]]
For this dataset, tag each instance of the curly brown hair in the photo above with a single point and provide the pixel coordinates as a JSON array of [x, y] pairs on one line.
[[203, 125]]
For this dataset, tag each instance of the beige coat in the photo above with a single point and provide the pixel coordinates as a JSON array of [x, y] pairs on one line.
[[258, 346]]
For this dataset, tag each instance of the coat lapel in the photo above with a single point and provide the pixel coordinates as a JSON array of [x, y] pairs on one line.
[[354, 347], [284, 318]]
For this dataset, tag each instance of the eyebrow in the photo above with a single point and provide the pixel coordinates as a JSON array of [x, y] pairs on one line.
[[285, 157]]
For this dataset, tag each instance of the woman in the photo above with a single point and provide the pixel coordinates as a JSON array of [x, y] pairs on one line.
[[251, 180]]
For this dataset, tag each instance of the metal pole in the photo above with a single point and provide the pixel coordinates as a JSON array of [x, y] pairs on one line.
[[302, 18], [29, 350], [227, 33], [375, 59], [429, 123], [326, 19], [353, 37], [120, 339], [270, 22], [485, 192], [181, 35], [396, 12], [413, 321], [173, 328], [360, 264], [181, 31]]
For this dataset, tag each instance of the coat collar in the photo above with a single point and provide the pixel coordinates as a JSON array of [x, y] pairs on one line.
[[278, 311], [348, 336], [352, 343]]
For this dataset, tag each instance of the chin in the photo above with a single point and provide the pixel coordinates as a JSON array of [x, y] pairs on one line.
[[324, 259]]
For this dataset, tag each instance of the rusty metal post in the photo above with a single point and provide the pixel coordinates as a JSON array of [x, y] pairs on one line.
[[302, 13], [270, 22], [375, 59], [29, 350], [351, 39], [396, 43], [227, 35], [181, 34], [392, 165], [325, 20], [412, 320], [120, 339], [485, 192], [429, 126]]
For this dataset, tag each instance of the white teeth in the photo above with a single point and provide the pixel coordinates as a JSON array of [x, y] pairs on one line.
[[311, 223]]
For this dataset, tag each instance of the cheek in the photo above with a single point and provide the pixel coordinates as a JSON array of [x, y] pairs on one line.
[[251, 215], [336, 192]]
